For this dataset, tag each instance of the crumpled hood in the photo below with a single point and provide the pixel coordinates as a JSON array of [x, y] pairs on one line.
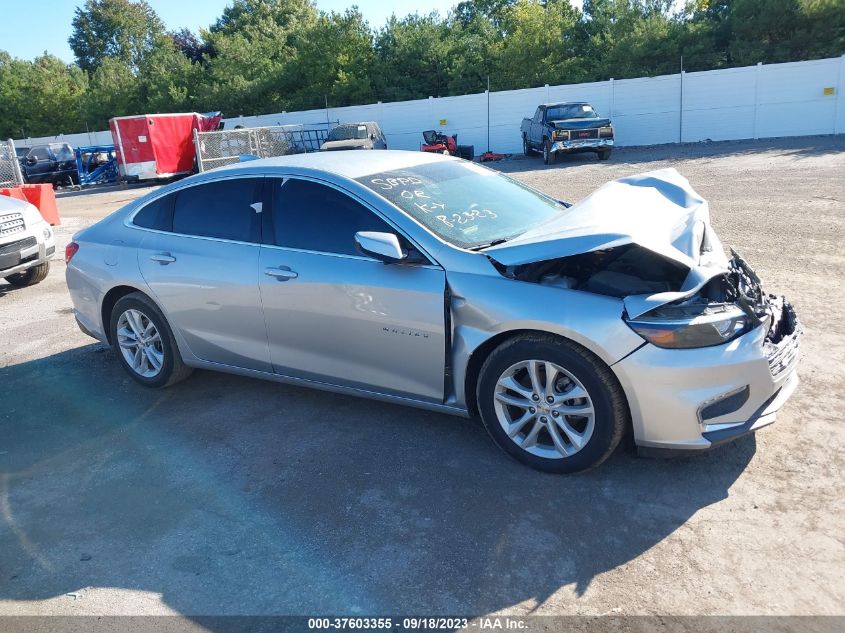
[[352, 143], [658, 210]]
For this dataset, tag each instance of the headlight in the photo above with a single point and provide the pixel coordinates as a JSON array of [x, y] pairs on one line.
[[683, 327], [561, 135], [606, 132], [47, 233]]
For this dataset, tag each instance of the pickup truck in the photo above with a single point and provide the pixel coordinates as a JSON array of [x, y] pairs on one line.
[[566, 128], [53, 163]]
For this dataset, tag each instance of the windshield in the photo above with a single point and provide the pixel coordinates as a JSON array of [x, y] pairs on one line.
[[572, 111], [62, 151], [348, 132], [465, 204]]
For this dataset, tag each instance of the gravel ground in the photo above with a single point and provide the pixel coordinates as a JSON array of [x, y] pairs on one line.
[[227, 495]]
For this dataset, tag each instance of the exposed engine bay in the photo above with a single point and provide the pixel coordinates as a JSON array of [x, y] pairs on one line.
[[616, 272], [633, 270]]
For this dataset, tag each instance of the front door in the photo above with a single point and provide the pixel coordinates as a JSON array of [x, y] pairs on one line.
[[202, 267], [337, 316]]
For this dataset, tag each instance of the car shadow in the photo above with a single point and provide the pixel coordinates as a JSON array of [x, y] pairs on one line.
[[228, 495]]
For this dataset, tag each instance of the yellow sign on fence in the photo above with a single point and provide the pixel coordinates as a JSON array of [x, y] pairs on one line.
[[829, 91], [442, 122]]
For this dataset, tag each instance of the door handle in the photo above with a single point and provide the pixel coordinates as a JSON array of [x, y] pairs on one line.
[[283, 273], [163, 258]]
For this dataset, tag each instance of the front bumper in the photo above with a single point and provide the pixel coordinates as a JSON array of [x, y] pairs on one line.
[[585, 144], [25, 251], [671, 392]]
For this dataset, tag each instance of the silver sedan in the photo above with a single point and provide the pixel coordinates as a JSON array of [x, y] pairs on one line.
[[434, 282]]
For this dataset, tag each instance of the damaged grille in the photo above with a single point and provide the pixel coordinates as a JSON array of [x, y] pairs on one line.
[[11, 223], [781, 344]]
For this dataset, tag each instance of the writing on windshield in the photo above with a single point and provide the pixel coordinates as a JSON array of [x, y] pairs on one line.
[[464, 203]]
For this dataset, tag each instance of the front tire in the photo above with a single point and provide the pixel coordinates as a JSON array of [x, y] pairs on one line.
[[549, 156], [144, 342], [604, 154], [31, 276], [551, 404]]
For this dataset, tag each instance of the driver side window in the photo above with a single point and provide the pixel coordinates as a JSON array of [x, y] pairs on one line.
[[314, 217], [39, 153]]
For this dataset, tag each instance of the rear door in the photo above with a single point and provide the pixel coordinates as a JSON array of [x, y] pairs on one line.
[[201, 262], [337, 316]]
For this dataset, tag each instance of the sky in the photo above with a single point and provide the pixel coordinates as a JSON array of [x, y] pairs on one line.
[[33, 26]]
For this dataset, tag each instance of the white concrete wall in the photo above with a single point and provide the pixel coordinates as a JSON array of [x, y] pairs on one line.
[[737, 103]]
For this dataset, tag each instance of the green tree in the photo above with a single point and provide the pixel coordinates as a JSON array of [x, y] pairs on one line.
[[253, 43], [113, 90], [168, 79], [474, 49], [40, 97], [542, 45], [114, 29], [334, 60], [412, 58]]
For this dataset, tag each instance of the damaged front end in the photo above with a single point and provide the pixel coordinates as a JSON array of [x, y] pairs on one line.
[[667, 303], [723, 308], [647, 240]]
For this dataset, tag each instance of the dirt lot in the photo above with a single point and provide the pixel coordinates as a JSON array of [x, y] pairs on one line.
[[231, 495]]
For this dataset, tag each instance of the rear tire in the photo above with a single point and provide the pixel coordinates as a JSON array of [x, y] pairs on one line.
[[549, 156], [526, 148], [570, 417], [30, 277], [138, 329]]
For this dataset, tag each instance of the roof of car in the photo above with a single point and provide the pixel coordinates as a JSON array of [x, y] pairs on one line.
[[564, 103], [361, 163]]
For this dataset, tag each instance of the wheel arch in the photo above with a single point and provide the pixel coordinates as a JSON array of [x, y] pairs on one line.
[[483, 351], [111, 298]]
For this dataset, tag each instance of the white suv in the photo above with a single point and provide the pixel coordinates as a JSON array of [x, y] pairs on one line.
[[27, 243]]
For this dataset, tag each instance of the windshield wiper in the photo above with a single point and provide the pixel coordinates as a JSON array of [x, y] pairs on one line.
[[495, 242]]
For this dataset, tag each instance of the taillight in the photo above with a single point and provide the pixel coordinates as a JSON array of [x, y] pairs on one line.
[[70, 251]]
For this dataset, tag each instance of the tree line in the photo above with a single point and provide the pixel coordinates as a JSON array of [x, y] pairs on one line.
[[264, 56]]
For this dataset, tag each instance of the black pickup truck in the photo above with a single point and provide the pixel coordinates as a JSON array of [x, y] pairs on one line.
[[51, 163], [566, 127]]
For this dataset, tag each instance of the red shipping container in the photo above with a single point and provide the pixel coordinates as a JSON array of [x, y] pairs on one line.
[[152, 146]]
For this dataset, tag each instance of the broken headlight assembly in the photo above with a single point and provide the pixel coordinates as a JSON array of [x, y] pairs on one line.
[[688, 326]]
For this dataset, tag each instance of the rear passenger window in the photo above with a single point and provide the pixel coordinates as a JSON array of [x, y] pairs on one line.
[[315, 217], [158, 215], [219, 209]]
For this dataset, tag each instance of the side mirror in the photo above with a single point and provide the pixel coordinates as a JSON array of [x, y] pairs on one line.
[[372, 137], [384, 247], [31, 160]]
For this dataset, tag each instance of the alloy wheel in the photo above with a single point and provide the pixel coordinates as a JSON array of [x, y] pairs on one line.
[[544, 409], [140, 343]]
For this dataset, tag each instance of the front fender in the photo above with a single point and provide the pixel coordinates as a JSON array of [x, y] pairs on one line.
[[485, 307]]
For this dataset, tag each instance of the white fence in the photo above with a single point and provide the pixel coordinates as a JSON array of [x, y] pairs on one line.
[[763, 101]]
